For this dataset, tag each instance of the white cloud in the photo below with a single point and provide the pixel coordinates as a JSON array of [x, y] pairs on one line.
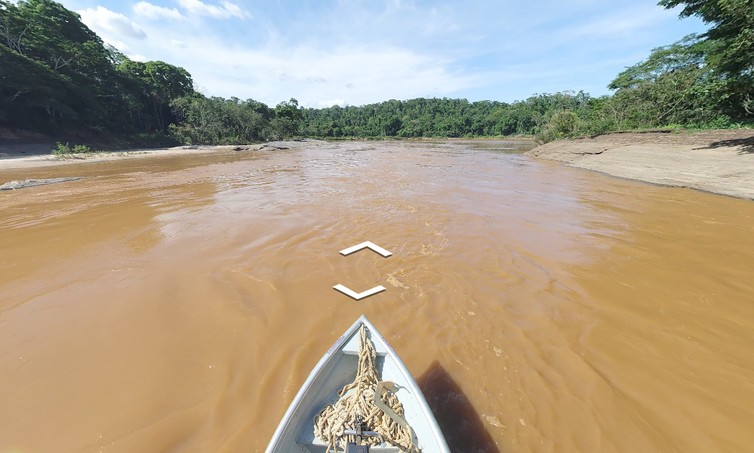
[[353, 52], [109, 24], [236, 11], [226, 11], [150, 11], [318, 75]]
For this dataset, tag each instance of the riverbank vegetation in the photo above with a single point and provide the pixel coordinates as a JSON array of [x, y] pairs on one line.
[[59, 78]]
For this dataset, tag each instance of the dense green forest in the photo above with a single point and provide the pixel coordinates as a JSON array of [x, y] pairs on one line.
[[57, 75], [59, 78]]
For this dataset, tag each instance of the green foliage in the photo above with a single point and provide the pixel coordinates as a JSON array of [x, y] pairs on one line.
[[62, 150], [149, 89], [697, 82], [561, 124], [221, 121], [730, 47], [675, 85], [732, 30], [287, 120], [442, 117], [57, 75]]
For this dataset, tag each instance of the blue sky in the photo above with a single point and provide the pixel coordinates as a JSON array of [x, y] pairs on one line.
[[355, 52]]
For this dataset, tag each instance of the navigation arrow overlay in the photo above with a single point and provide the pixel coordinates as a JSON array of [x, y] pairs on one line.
[[364, 245], [358, 296]]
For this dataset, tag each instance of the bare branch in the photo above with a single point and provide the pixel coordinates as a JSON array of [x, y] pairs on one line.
[[18, 40], [13, 43], [61, 62], [18, 93]]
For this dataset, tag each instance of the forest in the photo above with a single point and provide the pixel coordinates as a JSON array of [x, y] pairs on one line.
[[59, 78]]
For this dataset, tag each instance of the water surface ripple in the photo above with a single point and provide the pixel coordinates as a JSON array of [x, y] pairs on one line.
[[177, 304]]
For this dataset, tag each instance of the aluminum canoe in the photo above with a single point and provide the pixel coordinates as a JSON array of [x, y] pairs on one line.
[[295, 433]]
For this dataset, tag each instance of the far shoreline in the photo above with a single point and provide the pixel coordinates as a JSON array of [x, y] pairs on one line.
[[39, 155], [715, 161], [38, 160]]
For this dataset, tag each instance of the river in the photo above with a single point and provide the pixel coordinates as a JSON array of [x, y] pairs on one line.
[[178, 303]]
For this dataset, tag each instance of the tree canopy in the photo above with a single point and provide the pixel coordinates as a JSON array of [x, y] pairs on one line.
[[730, 42], [57, 76], [732, 28]]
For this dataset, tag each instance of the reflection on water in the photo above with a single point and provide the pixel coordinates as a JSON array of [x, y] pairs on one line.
[[177, 304]]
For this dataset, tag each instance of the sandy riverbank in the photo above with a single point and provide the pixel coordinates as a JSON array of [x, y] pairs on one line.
[[718, 161], [22, 156]]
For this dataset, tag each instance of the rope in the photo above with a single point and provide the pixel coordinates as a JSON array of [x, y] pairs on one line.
[[357, 399]]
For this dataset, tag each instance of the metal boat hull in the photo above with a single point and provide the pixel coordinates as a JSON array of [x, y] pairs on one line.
[[337, 368]]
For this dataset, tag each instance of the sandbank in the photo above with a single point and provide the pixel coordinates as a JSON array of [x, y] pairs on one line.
[[717, 161], [30, 156]]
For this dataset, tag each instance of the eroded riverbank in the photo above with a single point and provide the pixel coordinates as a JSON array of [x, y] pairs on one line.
[[720, 161], [178, 303]]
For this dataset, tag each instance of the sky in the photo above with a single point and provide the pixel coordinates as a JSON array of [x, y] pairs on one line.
[[356, 52]]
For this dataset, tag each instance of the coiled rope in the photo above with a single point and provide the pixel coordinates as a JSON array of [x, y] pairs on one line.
[[358, 399]]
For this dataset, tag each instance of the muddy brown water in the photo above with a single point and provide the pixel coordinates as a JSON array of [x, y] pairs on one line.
[[177, 304]]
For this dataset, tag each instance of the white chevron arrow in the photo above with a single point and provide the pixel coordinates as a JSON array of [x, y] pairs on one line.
[[363, 245], [358, 296]]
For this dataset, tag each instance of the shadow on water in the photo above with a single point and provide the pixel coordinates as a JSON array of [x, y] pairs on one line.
[[463, 428], [746, 144]]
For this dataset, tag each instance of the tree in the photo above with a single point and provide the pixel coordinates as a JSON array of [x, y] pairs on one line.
[[55, 35], [732, 26], [156, 83], [12, 26], [31, 94], [218, 121], [674, 85], [57, 74], [287, 120], [731, 39]]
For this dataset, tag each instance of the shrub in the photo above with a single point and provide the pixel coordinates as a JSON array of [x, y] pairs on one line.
[[562, 124], [63, 150]]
